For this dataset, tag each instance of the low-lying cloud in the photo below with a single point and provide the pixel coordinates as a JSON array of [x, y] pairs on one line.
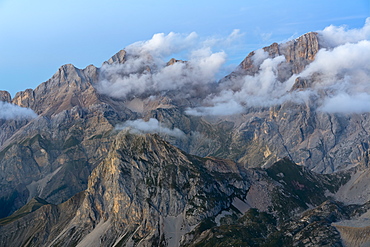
[[10, 111], [333, 36], [339, 73], [146, 71], [340, 77], [152, 126], [345, 103]]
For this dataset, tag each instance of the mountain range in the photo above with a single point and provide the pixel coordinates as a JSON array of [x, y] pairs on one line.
[[142, 152]]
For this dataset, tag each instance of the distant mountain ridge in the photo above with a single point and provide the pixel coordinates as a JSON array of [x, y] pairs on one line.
[[225, 175]]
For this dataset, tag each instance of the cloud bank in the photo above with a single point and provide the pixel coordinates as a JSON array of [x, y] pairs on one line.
[[345, 103], [146, 71], [10, 111], [151, 126], [339, 75], [340, 79], [343, 76], [333, 36]]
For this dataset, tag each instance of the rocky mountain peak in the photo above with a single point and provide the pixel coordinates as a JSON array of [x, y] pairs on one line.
[[301, 51], [298, 54], [119, 57], [173, 61], [69, 74], [24, 98], [68, 87], [5, 96]]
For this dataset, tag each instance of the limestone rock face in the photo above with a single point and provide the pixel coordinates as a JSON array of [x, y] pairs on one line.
[[53, 155], [298, 54]]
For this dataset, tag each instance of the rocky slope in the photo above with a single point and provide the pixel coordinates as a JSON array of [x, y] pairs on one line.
[[147, 192]]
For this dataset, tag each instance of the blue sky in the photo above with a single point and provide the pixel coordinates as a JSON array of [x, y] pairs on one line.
[[37, 37]]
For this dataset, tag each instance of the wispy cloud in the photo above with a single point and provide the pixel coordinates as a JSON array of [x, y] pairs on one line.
[[150, 126], [346, 103], [334, 36], [10, 111]]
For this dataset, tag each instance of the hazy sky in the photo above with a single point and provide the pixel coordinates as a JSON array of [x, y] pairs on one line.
[[37, 37]]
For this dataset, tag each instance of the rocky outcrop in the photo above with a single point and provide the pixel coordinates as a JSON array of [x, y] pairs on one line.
[[40, 225], [53, 157]]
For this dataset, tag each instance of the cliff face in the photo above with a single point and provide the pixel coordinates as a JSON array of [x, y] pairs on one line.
[[298, 54]]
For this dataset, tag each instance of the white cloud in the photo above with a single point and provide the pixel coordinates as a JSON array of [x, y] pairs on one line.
[[145, 69], [339, 72], [185, 77], [259, 56], [345, 103], [151, 126], [347, 59], [228, 107], [262, 89], [333, 36], [161, 45], [340, 78], [10, 111]]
